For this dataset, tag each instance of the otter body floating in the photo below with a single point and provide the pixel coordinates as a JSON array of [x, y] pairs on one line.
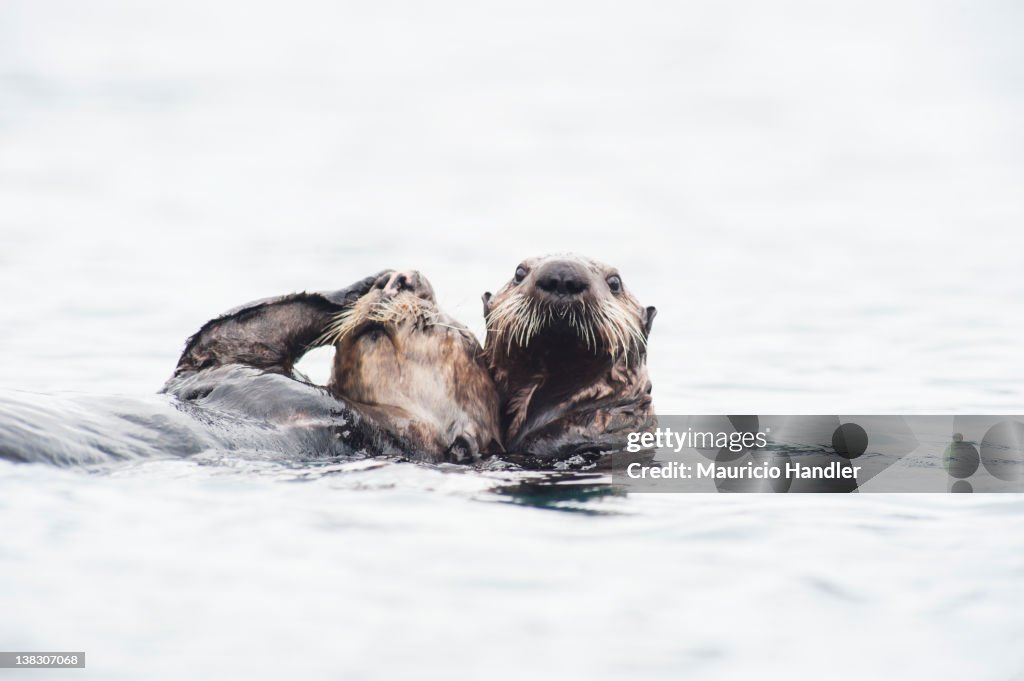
[[407, 379]]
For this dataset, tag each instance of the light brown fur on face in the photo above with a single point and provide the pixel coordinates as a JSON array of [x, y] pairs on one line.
[[405, 363], [567, 348]]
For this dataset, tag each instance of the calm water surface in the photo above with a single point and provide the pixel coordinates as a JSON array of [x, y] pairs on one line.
[[823, 203]]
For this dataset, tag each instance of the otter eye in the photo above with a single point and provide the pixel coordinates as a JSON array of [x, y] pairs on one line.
[[520, 274], [615, 283], [372, 333]]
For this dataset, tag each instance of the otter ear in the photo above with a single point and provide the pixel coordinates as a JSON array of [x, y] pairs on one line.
[[649, 321], [487, 302]]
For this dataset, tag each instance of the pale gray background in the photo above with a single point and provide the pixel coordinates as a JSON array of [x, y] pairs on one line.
[[823, 199]]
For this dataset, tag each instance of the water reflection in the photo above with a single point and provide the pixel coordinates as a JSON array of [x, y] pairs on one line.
[[569, 492]]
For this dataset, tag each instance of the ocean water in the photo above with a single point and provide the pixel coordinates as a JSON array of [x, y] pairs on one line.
[[823, 201]]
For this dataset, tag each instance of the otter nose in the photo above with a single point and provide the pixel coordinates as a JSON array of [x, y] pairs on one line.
[[562, 279], [410, 280]]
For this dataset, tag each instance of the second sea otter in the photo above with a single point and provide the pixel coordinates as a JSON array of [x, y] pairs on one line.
[[407, 379], [567, 348]]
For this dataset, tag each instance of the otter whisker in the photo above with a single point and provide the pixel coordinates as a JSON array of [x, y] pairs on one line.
[[339, 326], [518, 319]]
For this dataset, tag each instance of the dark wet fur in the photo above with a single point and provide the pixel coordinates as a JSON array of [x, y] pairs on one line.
[[561, 397], [231, 408]]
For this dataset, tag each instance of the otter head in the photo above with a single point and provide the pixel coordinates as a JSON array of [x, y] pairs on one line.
[[416, 372], [567, 347]]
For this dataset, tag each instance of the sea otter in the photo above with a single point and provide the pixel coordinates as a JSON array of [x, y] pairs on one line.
[[567, 347], [407, 379]]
